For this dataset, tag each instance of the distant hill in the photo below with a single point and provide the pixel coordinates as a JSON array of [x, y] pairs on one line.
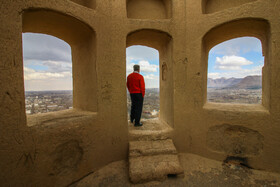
[[222, 82], [249, 82]]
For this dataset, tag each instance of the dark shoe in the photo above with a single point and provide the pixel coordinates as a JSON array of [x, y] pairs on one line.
[[138, 125]]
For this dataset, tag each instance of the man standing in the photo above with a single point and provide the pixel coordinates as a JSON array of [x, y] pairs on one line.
[[136, 87]]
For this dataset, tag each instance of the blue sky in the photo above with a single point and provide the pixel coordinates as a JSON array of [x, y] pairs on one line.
[[48, 61], [238, 58]]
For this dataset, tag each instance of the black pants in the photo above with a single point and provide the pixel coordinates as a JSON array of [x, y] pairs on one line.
[[136, 107]]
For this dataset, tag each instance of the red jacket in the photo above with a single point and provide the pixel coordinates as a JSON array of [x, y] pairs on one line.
[[135, 83]]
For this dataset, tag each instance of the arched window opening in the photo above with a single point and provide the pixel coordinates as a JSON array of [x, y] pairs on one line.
[[235, 71], [148, 59], [83, 70], [162, 42], [47, 73]]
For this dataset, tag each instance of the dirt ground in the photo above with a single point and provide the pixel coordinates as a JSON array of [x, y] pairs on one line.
[[199, 172]]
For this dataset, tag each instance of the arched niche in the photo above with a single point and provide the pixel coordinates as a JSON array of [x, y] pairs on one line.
[[161, 41], [211, 6], [82, 40], [258, 28], [87, 3], [149, 9]]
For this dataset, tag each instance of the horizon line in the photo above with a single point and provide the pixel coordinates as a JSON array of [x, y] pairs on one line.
[[60, 90], [234, 77]]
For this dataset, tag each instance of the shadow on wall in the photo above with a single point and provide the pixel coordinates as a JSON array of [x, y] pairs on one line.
[[149, 9], [87, 3], [211, 6]]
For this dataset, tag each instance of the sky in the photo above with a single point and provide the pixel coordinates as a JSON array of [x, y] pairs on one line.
[[239, 57], [48, 61]]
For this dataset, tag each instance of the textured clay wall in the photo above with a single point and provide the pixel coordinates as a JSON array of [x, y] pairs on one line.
[[58, 148]]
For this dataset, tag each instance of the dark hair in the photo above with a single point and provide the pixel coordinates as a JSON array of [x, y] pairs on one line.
[[136, 67]]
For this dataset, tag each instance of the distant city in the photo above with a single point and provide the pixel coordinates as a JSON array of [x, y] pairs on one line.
[[37, 102], [247, 90], [47, 101], [233, 95]]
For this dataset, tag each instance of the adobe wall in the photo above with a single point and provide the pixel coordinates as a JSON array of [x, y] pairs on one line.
[[57, 149]]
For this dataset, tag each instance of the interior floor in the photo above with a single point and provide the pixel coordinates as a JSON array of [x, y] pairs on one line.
[[198, 171]]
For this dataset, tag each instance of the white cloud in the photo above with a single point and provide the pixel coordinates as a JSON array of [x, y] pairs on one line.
[[151, 77], [31, 74], [43, 80], [58, 66], [231, 62], [129, 65], [214, 75], [40, 85], [145, 66]]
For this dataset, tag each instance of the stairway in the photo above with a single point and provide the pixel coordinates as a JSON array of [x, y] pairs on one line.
[[153, 160]]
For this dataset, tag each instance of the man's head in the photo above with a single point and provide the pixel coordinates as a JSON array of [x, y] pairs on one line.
[[136, 68]]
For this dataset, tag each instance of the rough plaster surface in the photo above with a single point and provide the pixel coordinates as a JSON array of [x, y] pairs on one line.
[[66, 157], [235, 140], [199, 172], [98, 32]]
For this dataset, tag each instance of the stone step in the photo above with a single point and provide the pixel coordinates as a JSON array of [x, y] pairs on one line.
[[153, 168], [149, 148], [153, 160]]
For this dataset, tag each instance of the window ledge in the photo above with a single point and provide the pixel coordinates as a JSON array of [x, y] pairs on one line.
[[70, 117], [236, 107]]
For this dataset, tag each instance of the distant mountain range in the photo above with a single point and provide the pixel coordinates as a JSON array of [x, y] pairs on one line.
[[249, 82]]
